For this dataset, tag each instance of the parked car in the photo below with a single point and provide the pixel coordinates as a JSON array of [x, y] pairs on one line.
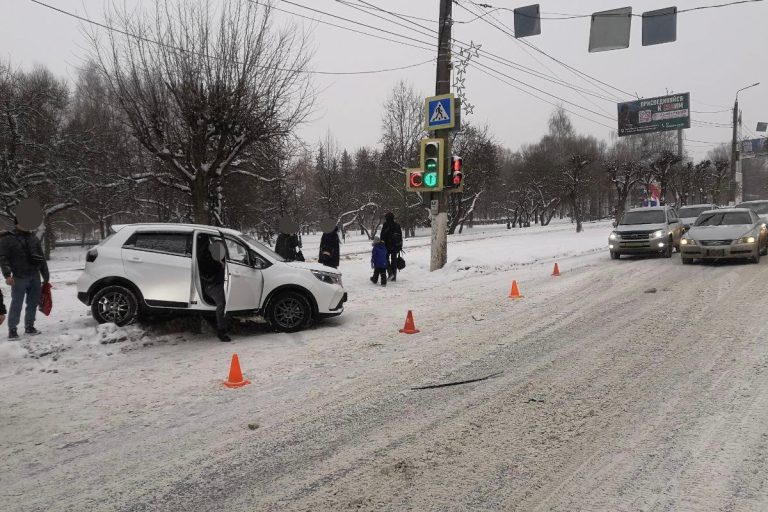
[[760, 207], [726, 233], [690, 212], [647, 230], [145, 268]]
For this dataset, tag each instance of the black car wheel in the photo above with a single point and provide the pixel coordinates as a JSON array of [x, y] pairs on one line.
[[686, 261], [756, 257], [115, 304], [615, 255], [289, 312]]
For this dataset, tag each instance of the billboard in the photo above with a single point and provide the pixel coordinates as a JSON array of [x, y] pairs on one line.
[[655, 114]]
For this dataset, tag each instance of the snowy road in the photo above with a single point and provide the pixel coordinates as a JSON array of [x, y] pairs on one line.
[[611, 399]]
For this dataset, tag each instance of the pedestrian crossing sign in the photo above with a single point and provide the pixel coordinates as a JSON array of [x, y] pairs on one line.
[[440, 112]]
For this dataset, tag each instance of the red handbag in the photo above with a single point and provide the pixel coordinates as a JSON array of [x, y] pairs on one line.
[[46, 301]]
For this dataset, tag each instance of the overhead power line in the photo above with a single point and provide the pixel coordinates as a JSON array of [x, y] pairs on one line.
[[191, 52], [564, 64], [561, 16], [491, 56]]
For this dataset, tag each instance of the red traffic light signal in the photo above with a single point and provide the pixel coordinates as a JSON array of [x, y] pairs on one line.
[[416, 179], [454, 175]]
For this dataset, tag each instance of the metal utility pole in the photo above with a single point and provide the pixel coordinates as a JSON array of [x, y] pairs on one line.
[[734, 143], [680, 143], [442, 86], [734, 154]]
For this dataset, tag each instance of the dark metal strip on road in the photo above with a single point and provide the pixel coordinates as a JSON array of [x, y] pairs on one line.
[[433, 386]]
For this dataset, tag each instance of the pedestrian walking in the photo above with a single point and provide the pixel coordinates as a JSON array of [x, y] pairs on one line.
[[329, 248], [210, 262], [23, 264], [392, 236], [379, 261]]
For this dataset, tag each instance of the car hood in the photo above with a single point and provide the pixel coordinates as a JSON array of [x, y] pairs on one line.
[[719, 232], [622, 228], [312, 266]]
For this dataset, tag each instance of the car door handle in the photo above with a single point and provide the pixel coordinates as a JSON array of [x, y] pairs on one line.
[[136, 259]]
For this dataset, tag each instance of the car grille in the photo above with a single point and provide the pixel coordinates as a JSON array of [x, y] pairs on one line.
[[635, 235], [710, 243]]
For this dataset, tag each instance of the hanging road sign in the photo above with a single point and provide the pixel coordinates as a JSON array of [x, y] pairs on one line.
[[655, 114], [440, 112]]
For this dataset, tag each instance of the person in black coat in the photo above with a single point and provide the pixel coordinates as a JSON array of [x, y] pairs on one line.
[[392, 236], [329, 248]]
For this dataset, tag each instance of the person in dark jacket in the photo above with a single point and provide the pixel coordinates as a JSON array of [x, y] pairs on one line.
[[23, 263], [379, 261], [392, 236], [329, 248], [287, 246], [210, 263]]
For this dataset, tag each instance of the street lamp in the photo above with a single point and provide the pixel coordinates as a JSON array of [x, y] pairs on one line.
[[734, 142]]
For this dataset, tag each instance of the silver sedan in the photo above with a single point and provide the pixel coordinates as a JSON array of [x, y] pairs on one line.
[[725, 233]]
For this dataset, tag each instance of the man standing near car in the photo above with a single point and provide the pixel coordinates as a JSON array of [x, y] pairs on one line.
[[23, 263], [392, 236], [211, 264]]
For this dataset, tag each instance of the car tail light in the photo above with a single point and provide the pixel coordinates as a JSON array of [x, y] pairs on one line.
[[91, 255]]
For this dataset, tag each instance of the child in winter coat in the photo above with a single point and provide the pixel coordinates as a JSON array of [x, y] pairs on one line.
[[379, 261]]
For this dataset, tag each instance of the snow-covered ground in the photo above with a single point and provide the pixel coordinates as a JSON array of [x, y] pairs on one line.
[[605, 397]]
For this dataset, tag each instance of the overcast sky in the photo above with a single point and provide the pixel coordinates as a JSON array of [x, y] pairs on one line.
[[717, 52]]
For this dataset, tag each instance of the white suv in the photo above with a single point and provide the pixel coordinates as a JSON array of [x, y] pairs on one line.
[[144, 268]]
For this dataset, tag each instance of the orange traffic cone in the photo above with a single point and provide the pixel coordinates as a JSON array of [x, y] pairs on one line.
[[556, 272], [410, 327], [236, 379], [515, 293]]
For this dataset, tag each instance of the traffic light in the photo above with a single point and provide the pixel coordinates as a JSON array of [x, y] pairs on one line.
[[432, 164], [454, 177]]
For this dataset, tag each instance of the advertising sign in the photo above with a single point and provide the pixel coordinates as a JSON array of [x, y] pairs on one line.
[[655, 114]]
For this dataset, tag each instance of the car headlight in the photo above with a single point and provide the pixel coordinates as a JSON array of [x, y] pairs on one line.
[[657, 234], [746, 240], [687, 241], [614, 236], [327, 277]]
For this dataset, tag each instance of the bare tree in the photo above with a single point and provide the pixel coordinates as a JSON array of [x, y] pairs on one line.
[[402, 126], [197, 91]]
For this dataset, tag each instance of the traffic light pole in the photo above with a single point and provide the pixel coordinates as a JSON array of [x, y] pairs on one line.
[[442, 86]]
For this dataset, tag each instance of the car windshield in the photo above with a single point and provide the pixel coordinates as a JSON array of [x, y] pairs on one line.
[[262, 248], [759, 208], [643, 217], [693, 211], [724, 219]]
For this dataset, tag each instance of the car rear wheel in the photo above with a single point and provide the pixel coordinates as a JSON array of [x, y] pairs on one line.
[[615, 255], [115, 304], [289, 312]]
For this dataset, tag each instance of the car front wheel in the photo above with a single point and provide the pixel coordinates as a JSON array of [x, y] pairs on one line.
[[756, 257], [115, 304], [686, 261], [615, 255], [289, 312]]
